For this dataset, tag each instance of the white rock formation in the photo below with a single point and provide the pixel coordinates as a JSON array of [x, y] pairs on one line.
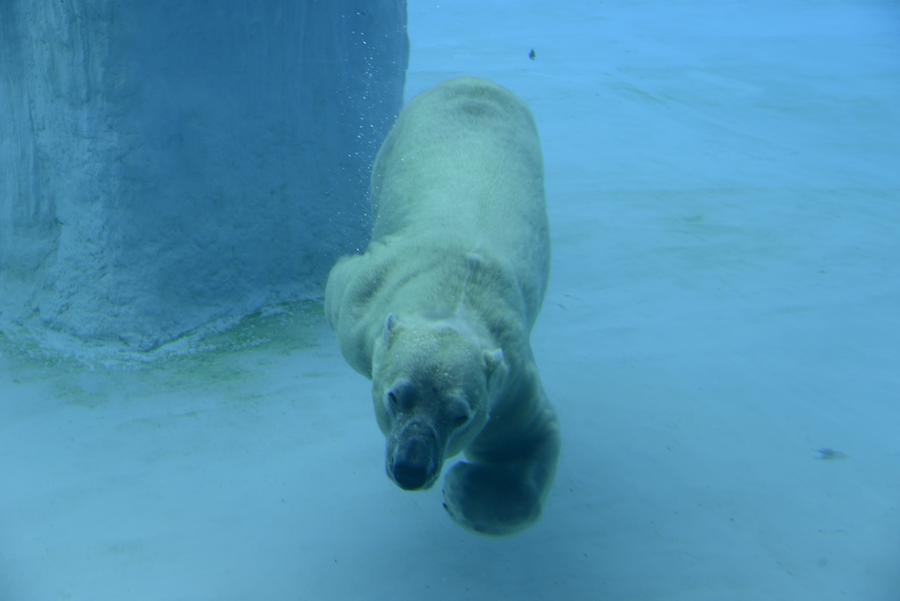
[[167, 164]]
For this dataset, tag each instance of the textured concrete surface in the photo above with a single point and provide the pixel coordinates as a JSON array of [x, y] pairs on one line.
[[164, 165]]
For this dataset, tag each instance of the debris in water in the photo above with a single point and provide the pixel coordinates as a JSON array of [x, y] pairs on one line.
[[829, 454]]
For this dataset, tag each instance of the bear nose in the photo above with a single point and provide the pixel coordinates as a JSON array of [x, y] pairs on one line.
[[414, 460], [411, 465]]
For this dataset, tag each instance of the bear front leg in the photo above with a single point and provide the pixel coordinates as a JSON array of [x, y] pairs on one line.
[[500, 495]]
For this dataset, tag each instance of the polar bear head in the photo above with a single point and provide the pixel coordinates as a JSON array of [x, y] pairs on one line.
[[433, 382]]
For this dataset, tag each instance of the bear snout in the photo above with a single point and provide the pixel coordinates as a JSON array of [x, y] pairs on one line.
[[414, 459]]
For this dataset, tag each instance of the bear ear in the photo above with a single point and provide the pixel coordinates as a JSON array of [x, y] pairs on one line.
[[390, 328], [494, 365]]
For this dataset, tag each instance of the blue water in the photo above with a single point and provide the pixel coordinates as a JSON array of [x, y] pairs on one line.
[[719, 339]]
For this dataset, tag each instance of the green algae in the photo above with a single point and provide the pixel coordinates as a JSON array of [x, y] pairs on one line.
[[224, 361]]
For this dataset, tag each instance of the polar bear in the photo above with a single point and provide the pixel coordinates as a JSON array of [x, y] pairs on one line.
[[439, 309]]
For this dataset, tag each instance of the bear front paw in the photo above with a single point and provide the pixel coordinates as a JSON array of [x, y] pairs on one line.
[[491, 499]]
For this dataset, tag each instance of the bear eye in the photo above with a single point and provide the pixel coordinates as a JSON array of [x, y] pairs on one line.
[[460, 420], [392, 402], [459, 415], [399, 397]]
